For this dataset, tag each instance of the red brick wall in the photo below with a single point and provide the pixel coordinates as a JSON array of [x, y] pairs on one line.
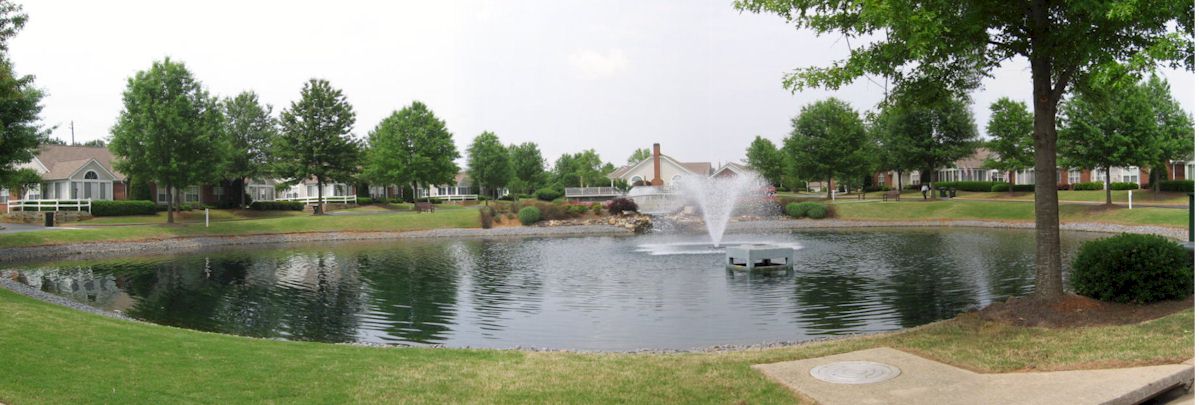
[[118, 191], [1085, 176]]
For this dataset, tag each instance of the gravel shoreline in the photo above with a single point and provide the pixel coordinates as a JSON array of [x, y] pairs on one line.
[[193, 244]]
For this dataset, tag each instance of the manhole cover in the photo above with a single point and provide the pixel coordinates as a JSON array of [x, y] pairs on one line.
[[855, 372]]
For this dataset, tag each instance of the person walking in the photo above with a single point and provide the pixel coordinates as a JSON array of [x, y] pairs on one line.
[[924, 190]]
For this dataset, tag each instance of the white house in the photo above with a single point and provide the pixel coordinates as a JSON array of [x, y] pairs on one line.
[[659, 170], [70, 173]]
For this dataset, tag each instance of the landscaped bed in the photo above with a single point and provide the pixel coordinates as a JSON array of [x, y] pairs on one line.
[[54, 354]]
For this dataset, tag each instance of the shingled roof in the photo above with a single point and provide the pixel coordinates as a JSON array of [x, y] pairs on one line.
[[62, 160]]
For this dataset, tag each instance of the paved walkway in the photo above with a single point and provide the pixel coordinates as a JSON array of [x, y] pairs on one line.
[[923, 381], [15, 228]]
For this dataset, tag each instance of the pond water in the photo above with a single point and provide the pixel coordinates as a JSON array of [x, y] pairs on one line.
[[587, 293]]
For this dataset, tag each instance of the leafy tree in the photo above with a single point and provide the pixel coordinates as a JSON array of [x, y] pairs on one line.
[[390, 153], [1010, 129], [639, 155], [1176, 128], [927, 129], [487, 163], [1105, 126], [826, 141], [95, 143], [20, 102], [432, 148], [169, 131], [315, 140], [249, 132], [766, 159], [21, 180], [881, 140], [958, 42], [528, 168]]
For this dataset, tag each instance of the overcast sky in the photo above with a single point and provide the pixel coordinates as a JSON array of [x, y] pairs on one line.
[[698, 77]]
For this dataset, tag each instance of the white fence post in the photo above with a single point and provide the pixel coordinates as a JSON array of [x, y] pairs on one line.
[[1129, 199], [206, 217]]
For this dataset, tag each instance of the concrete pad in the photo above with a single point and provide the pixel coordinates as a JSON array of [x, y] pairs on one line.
[[924, 381]]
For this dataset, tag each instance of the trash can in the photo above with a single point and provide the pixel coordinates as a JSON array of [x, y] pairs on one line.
[[50, 219], [953, 192], [942, 191]]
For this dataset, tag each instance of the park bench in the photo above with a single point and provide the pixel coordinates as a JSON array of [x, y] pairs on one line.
[[893, 194], [423, 207]]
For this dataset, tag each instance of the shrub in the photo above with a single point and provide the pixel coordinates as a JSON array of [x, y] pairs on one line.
[[620, 205], [365, 201], [911, 187], [1124, 186], [794, 210], [123, 207], [1018, 187], [548, 194], [980, 186], [1133, 268], [817, 211], [486, 216], [277, 206], [597, 208], [1179, 186], [1090, 185], [529, 215], [508, 197], [577, 209]]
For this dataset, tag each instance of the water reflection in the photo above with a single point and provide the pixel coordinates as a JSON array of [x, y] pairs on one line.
[[586, 293]]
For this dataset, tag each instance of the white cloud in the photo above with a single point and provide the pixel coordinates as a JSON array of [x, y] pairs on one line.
[[592, 65]]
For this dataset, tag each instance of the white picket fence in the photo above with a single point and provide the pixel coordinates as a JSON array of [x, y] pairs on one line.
[[344, 199], [50, 205], [579, 192]]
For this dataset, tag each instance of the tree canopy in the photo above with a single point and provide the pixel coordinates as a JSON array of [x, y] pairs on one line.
[[528, 168], [639, 155], [169, 131], [960, 42], [487, 163], [1010, 129], [826, 141], [766, 159], [315, 139], [928, 130], [249, 131], [20, 102], [411, 147]]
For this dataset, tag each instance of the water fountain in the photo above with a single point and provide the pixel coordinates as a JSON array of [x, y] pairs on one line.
[[717, 197]]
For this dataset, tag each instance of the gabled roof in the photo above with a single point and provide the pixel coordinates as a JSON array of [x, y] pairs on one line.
[[734, 167], [700, 168], [61, 161], [974, 160]]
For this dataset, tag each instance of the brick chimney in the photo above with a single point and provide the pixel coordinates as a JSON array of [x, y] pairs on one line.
[[657, 181]]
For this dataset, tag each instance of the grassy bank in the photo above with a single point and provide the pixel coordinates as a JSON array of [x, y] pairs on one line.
[[942, 210], [58, 355], [391, 222]]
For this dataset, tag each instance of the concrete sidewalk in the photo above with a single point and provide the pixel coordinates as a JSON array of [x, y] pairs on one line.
[[923, 381]]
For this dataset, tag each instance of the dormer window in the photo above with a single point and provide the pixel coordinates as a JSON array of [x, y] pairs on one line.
[[91, 175]]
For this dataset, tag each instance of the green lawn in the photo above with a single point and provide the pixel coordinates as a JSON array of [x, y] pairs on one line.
[[913, 210], [57, 355], [402, 220], [1091, 196], [196, 216]]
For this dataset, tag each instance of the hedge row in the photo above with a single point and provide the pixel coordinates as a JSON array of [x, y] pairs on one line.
[[277, 206], [980, 186], [1180, 186], [118, 208], [1017, 187]]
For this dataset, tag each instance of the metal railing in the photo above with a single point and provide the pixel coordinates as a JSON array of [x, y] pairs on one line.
[[50, 205], [458, 197], [592, 192], [345, 199]]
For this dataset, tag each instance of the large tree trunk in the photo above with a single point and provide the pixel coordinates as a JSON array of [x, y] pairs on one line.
[[1048, 240], [320, 197], [1107, 183], [170, 205], [1011, 183], [241, 193], [830, 187]]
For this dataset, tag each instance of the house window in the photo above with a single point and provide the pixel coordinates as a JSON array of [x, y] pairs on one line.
[[162, 195], [3, 196], [1073, 177], [34, 192], [191, 194], [1190, 171], [91, 175], [218, 190], [1131, 175]]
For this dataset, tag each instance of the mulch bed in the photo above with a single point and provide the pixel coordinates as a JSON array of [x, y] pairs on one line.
[[1074, 310]]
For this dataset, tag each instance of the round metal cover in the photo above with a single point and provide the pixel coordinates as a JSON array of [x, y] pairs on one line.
[[854, 372]]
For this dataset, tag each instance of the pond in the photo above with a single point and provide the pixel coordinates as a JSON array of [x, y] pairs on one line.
[[585, 293]]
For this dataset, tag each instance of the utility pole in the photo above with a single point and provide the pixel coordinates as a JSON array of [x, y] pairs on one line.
[[72, 133]]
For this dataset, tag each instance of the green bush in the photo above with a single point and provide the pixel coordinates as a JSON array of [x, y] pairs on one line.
[[817, 211], [794, 210], [1133, 268], [980, 186], [1090, 185], [122, 208], [548, 194], [529, 215], [277, 206], [1178, 186], [365, 200], [1124, 186], [1017, 187], [597, 208]]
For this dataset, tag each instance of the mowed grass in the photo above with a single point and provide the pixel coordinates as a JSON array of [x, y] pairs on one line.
[[195, 216], [946, 210], [54, 354], [1092, 196], [389, 222]]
